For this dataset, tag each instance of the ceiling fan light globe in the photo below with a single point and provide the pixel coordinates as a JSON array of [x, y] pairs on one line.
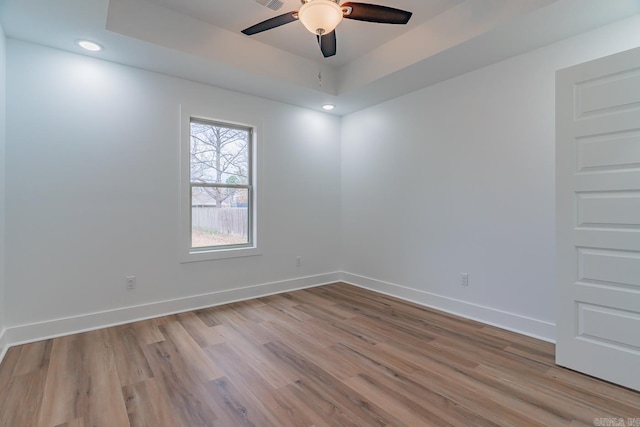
[[320, 16]]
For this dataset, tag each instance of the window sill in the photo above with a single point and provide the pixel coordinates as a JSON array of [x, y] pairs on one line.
[[215, 254]]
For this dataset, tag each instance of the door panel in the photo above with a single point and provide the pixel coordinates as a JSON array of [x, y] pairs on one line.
[[598, 218]]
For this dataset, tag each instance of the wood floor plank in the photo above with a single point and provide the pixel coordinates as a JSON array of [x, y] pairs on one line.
[[523, 342], [538, 394], [318, 354], [33, 357], [11, 359], [97, 352], [299, 403], [250, 310], [320, 312], [282, 300], [233, 406], [308, 297], [148, 331], [409, 336], [422, 401], [67, 384], [78, 422], [270, 313], [207, 315], [105, 406], [393, 381], [147, 405], [422, 355], [23, 388], [592, 388], [131, 363], [335, 355], [500, 359], [408, 412], [494, 404], [323, 404], [348, 403], [286, 307], [180, 345], [201, 333], [273, 370], [249, 329], [187, 398], [253, 388]]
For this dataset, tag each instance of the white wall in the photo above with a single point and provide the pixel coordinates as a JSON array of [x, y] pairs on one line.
[[2, 188], [93, 193], [455, 177], [459, 177]]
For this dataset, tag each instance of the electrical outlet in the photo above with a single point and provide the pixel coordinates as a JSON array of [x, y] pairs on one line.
[[131, 282], [298, 261], [464, 279]]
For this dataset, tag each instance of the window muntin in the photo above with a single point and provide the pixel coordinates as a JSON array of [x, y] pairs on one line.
[[221, 185]]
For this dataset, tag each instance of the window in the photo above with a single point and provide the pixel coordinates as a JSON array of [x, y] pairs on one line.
[[218, 213]]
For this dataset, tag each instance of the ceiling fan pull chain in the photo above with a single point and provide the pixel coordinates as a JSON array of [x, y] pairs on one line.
[[320, 62]]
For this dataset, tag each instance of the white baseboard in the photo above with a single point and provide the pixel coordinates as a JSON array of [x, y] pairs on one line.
[[22, 334], [4, 345], [491, 316], [27, 333]]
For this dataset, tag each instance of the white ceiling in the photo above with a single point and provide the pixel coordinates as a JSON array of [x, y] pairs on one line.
[[355, 38], [201, 40]]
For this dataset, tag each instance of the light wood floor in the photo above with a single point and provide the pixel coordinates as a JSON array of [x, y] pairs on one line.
[[330, 356]]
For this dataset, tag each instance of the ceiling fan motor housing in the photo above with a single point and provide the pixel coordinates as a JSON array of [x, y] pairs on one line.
[[320, 16]]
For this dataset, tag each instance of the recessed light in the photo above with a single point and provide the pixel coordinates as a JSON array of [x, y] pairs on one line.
[[91, 46], [328, 107]]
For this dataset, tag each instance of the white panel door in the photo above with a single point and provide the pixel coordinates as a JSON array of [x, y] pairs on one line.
[[598, 218]]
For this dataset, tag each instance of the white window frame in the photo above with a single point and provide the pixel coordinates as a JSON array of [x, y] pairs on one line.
[[187, 253]]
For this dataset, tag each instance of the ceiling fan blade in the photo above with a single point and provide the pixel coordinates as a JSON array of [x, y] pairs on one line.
[[271, 23], [376, 13], [327, 44]]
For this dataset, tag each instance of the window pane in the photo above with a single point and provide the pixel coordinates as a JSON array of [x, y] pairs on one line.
[[219, 216], [219, 155]]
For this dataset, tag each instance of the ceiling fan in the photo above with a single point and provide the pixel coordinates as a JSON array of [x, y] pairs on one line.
[[321, 17]]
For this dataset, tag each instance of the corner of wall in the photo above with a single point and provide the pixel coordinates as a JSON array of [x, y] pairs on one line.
[[3, 85]]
